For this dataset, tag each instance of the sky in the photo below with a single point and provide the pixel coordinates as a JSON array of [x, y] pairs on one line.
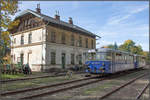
[[114, 21]]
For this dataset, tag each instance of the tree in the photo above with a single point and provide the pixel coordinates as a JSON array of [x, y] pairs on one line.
[[8, 9], [127, 45], [111, 46], [146, 54]]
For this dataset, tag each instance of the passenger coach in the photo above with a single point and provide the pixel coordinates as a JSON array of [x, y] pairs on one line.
[[107, 60]]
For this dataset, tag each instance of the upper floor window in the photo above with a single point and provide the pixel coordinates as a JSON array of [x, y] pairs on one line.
[[86, 42], [80, 41], [72, 40], [22, 39], [53, 37], [30, 38], [92, 44], [63, 38]]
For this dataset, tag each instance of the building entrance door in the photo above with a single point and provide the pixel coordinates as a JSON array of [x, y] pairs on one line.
[[29, 59], [63, 59]]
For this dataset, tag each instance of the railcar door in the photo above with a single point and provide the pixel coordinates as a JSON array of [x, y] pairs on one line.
[[113, 62]]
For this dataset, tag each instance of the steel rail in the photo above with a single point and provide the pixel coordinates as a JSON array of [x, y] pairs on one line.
[[59, 90], [122, 86], [71, 87], [47, 86], [29, 78], [42, 87], [143, 90]]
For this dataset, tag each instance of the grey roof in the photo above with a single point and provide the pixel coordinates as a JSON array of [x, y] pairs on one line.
[[52, 20]]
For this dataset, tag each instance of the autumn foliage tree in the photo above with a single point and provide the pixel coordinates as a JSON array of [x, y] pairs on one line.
[[8, 9], [130, 46]]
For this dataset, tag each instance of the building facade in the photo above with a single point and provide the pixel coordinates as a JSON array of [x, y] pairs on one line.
[[45, 42]]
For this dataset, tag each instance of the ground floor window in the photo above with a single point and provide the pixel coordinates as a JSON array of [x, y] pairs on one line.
[[21, 58], [80, 59], [72, 59], [53, 58]]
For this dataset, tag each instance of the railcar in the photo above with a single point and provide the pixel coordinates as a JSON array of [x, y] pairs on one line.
[[105, 61]]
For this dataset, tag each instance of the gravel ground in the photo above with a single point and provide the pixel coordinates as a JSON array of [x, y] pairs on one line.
[[37, 82], [131, 91], [91, 91]]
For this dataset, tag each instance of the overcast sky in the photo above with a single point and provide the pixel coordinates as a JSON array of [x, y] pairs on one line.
[[113, 21]]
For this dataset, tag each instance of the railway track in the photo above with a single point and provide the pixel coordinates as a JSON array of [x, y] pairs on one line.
[[142, 92], [30, 78], [124, 85], [63, 87]]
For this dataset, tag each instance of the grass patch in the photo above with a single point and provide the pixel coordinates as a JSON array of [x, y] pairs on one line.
[[32, 83], [17, 86], [9, 76]]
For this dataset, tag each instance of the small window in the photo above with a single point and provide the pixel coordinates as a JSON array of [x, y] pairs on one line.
[[21, 58], [22, 39], [86, 42], [72, 40], [80, 59], [92, 44], [53, 37], [63, 38], [30, 38], [53, 58], [72, 59], [80, 41]]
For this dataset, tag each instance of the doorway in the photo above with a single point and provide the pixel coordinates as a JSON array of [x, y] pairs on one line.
[[63, 60]]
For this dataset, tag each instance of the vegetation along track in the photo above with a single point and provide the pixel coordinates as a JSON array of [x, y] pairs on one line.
[[126, 84], [64, 88], [29, 78], [47, 86], [61, 84]]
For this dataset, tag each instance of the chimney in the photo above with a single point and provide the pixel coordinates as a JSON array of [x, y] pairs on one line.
[[38, 8], [70, 20], [57, 15]]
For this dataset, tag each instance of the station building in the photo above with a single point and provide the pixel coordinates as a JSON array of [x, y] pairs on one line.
[[45, 42]]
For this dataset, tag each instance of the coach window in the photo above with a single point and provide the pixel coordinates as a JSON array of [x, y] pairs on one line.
[[108, 56], [53, 58]]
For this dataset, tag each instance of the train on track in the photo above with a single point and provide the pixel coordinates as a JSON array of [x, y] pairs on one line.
[[108, 61]]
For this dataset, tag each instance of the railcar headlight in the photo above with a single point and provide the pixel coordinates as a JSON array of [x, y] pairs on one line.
[[101, 68]]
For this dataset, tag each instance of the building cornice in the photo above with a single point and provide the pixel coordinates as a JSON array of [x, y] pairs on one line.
[[47, 43]]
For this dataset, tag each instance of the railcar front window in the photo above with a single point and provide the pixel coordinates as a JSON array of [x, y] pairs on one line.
[[99, 56]]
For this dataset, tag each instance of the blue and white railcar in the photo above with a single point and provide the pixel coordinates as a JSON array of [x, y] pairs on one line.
[[107, 60]]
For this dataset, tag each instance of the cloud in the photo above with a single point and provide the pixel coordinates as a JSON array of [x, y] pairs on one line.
[[126, 13]]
